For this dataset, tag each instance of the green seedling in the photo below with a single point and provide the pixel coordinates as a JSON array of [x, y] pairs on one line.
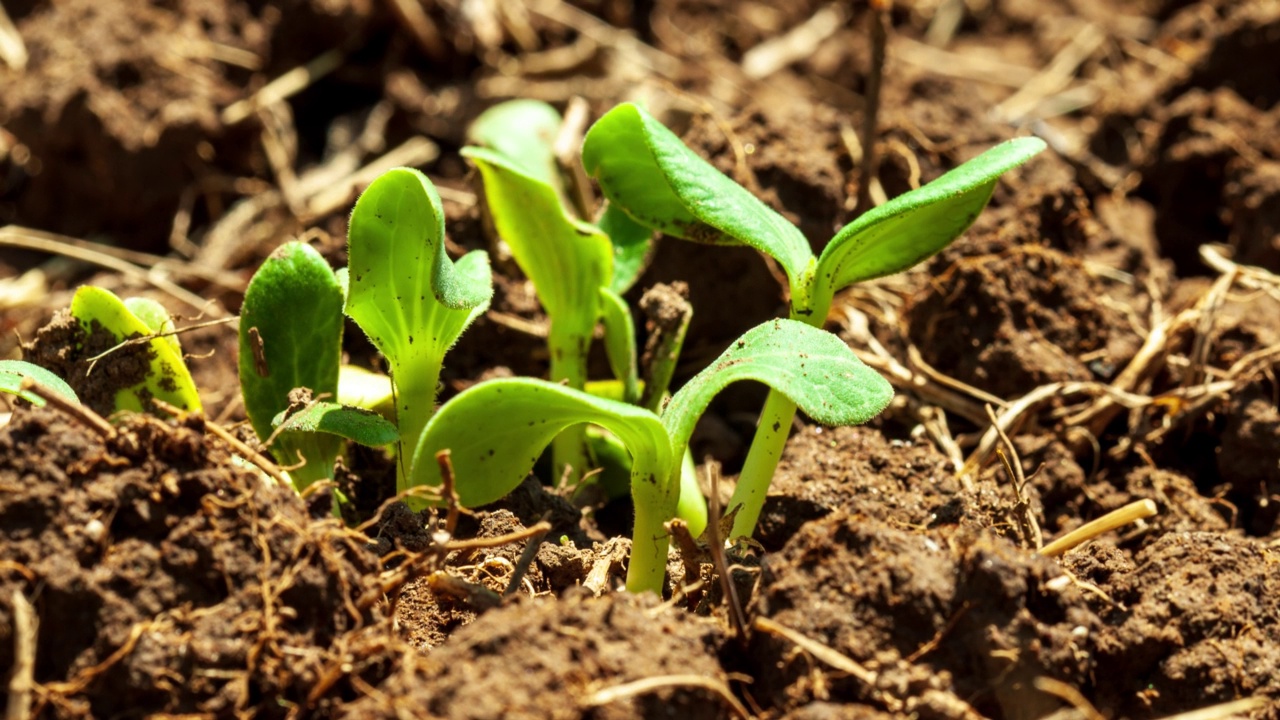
[[643, 168], [166, 377], [496, 430], [408, 296], [13, 372], [290, 349], [578, 269]]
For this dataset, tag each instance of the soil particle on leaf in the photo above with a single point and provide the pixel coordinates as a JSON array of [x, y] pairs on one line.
[[543, 658], [1193, 622], [168, 580], [93, 363], [974, 613]]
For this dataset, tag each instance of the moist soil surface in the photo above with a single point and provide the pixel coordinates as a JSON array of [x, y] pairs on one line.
[[1116, 309]]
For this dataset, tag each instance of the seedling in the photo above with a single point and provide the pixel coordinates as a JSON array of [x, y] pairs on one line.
[[166, 376], [290, 347], [408, 296], [578, 269], [13, 372], [497, 429], [643, 168]]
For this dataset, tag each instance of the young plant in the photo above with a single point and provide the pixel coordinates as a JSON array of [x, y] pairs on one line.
[[496, 430], [578, 269], [408, 296], [643, 168], [291, 340], [166, 376], [13, 372]]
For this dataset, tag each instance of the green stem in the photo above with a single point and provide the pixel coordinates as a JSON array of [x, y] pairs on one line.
[[655, 495], [568, 348], [762, 461], [415, 395]]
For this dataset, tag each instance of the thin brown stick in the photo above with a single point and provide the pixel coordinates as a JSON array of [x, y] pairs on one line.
[[654, 684], [83, 413], [22, 681], [879, 30], [15, 236], [236, 444], [1069, 694], [526, 558], [1013, 465], [824, 653], [715, 545], [284, 86], [448, 490]]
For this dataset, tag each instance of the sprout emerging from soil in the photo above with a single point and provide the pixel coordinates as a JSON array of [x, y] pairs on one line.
[[579, 269], [13, 372], [496, 430], [290, 348], [643, 168], [408, 296]]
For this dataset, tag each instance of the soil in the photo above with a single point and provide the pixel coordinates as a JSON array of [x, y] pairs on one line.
[[1120, 296]]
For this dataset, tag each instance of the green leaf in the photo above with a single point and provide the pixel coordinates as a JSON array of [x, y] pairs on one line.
[[632, 247], [496, 430], [812, 367], [167, 377], [352, 423], [404, 292], [156, 318], [567, 260], [646, 170], [13, 372], [916, 225], [290, 333], [524, 132], [620, 343], [290, 338]]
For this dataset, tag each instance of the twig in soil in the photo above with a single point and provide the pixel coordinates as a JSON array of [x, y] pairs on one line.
[[144, 339], [715, 545], [86, 416], [526, 558], [654, 684], [477, 596], [12, 50], [16, 236], [331, 196], [1068, 694], [627, 45], [879, 21], [22, 678], [421, 27], [689, 557], [962, 66], [236, 444], [1222, 711], [1055, 76], [285, 86], [943, 631], [1031, 535], [826, 654], [448, 490], [796, 44], [568, 154], [1120, 517]]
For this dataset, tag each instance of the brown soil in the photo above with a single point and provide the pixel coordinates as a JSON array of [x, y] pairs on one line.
[[168, 576]]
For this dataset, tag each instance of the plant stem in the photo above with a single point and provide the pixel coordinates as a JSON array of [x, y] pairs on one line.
[[415, 396], [568, 347], [762, 460], [879, 21]]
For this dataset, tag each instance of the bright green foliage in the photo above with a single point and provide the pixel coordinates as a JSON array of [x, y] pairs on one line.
[[291, 337], [632, 245], [620, 343], [812, 367], [13, 372], [156, 318], [524, 132], [497, 429], [167, 378], [329, 418], [644, 169], [407, 296]]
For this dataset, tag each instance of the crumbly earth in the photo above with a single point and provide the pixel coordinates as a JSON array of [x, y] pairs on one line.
[[1095, 292]]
